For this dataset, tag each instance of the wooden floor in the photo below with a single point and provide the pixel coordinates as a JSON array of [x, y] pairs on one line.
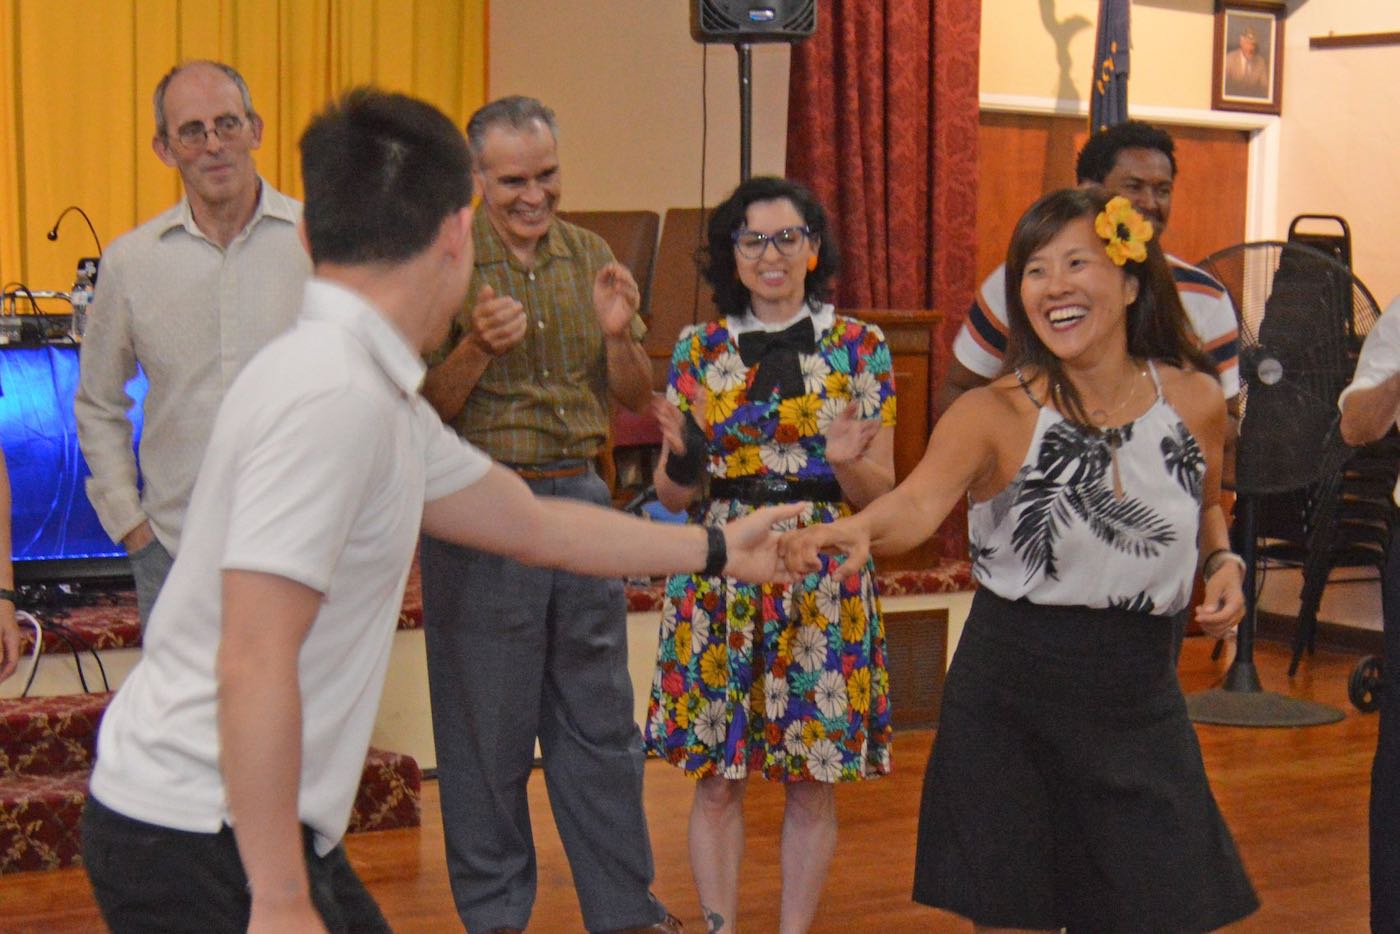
[[1296, 800]]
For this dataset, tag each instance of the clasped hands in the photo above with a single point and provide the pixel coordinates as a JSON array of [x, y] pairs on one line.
[[498, 322], [797, 551]]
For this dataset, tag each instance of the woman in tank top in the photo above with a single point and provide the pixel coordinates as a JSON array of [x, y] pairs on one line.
[[1066, 787]]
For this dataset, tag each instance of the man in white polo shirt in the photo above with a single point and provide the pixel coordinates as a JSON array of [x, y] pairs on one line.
[[1370, 407], [228, 763]]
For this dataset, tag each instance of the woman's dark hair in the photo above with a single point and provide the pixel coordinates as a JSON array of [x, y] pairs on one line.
[[716, 258], [1157, 325]]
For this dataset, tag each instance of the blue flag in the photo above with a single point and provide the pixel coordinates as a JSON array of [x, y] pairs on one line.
[[1108, 105]]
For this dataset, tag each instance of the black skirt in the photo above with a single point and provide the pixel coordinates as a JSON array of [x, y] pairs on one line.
[[1066, 787]]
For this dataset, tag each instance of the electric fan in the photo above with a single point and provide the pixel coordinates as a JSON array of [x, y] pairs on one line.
[[1303, 317]]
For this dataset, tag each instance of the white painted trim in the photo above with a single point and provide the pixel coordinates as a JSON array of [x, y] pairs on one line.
[[1261, 197]]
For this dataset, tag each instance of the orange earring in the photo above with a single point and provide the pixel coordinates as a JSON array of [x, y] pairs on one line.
[[812, 263]]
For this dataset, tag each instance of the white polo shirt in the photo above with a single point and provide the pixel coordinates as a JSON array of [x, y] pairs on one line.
[[1380, 360], [321, 458]]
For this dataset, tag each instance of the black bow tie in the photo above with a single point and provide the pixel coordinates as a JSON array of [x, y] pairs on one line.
[[776, 355]]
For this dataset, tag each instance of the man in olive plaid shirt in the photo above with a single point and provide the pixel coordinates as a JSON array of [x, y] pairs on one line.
[[517, 653]]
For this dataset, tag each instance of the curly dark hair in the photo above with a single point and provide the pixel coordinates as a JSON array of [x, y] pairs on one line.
[[1157, 323], [716, 258], [1100, 153]]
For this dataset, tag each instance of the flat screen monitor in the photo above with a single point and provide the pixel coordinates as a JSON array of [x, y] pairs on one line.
[[55, 535]]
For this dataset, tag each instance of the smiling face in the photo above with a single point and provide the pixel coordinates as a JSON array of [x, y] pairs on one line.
[[518, 174], [218, 171], [1144, 177], [1075, 298], [776, 282]]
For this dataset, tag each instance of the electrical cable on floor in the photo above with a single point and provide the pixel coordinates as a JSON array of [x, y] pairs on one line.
[[74, 641], [25, 617]]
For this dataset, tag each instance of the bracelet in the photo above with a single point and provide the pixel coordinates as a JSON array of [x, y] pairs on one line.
[[716, 552], [1218, 557], [10, 595]]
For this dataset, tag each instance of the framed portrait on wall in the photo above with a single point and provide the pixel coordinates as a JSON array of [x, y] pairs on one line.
[[1248, 60]]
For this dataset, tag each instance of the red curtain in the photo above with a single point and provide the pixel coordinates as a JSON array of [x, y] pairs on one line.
[[882, 126]]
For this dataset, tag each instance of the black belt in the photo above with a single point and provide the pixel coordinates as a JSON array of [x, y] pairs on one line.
[[761, 490]]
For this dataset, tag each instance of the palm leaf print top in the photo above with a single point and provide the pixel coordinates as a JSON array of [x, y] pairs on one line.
[[1058, 535]]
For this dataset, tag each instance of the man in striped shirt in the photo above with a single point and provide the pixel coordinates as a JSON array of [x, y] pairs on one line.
[[517, 653], [1134, 160]]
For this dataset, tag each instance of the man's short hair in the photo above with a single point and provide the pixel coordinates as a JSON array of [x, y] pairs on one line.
[[1100, 153], [517, 112], [162, 129], [381, 171]]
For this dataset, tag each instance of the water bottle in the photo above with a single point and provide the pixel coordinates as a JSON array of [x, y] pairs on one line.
[[81, 298]]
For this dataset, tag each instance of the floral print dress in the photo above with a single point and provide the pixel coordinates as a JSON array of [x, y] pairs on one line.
[[789, 681]]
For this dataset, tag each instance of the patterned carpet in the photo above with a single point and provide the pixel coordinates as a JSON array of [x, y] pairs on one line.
[[47, 743]]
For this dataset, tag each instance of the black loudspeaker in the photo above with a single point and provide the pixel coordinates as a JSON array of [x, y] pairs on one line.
[[752, 20]]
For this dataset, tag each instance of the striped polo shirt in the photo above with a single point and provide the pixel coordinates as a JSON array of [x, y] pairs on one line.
[[980, 344]]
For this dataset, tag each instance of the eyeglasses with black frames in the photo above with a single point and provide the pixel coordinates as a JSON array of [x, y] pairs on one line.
[[194, 135], [752, 244]]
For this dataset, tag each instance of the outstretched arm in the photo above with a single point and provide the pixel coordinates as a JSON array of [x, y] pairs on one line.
[[499, 514], [960, 451]]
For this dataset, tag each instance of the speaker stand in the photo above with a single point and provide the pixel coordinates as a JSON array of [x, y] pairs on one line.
[[745, 51]]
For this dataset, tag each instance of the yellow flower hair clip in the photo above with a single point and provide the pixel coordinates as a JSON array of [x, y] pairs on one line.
[[1125, 231]]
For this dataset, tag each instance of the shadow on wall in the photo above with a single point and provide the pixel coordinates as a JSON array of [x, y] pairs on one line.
[[1061, 32]]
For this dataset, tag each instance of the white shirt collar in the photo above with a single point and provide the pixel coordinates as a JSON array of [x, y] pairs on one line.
[[822, 320], [345, 308]]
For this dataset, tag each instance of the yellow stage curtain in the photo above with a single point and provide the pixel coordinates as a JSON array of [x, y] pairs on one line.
[[76, 78]]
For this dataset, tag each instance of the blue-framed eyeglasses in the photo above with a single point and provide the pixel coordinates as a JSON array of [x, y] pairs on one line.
[[751, 244]]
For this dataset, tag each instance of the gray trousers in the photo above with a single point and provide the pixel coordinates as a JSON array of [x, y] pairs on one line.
[[150, 565], [515, 653]]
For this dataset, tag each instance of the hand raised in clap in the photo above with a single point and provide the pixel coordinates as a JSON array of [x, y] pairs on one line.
[[616, 298], [498, 322]]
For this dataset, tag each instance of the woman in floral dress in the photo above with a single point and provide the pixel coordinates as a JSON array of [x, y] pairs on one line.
[[779, 400]]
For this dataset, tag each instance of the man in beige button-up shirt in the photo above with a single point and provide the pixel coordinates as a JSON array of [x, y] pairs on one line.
[[189, 296]]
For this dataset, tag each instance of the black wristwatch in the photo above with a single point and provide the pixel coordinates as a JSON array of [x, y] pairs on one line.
[[10, 595], [717, 552]]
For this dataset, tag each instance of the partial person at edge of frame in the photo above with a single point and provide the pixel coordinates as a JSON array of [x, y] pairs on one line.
[[1370, 410]]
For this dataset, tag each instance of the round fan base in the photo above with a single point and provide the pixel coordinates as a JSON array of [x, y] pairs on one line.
[[1257, 708]]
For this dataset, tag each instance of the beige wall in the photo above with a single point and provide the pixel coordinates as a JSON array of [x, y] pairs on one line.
[[1045, 48], [1341, 131], [624, 78], [1336, 143]]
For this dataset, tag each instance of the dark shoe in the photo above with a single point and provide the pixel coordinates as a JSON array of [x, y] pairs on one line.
[[670, 925]]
